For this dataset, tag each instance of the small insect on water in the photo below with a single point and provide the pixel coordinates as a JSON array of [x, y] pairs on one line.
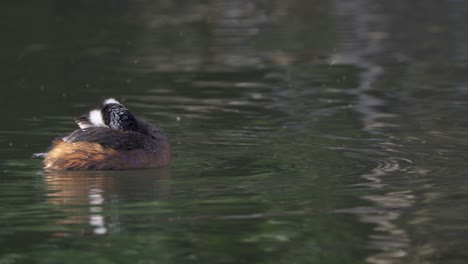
[[109, 138]]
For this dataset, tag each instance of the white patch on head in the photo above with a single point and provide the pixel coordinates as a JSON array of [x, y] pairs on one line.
[[111, 101], [95, 117]]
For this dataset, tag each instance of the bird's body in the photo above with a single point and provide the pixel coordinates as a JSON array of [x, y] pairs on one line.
[[110, 138]]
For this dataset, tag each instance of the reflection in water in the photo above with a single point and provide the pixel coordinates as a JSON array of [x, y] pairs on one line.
[[363, 35], [391, 239], [84, 196], [364, 31]]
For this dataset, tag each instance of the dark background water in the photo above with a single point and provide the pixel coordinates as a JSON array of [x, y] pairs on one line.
[[302, 131]]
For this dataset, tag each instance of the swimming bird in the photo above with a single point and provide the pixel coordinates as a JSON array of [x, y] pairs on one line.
[[109, 138]]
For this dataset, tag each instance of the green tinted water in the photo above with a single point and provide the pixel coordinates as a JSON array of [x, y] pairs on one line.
[[302, 132]]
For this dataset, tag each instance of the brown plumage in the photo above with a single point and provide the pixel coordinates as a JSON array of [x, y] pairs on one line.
[[110, 139]]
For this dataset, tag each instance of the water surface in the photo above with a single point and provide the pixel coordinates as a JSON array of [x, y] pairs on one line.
[[302, 132]]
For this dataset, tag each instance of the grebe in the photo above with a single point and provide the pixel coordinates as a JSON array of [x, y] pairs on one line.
[[110, 138]]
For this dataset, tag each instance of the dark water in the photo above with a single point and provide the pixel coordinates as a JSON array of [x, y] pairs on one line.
[[302, 131]]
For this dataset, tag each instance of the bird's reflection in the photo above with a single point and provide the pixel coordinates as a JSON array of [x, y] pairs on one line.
[[84, 196]]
